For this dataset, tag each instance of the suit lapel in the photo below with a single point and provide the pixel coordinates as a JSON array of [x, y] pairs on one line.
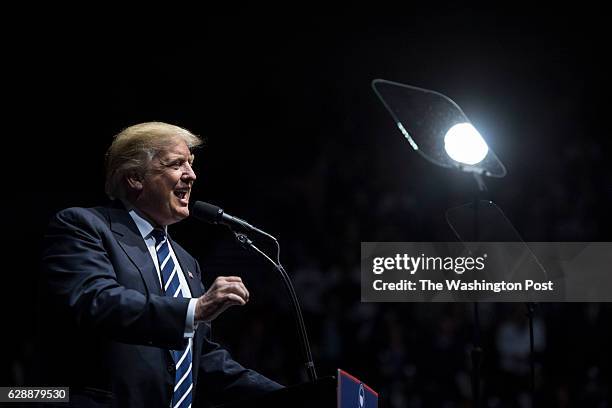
[[131, 241]]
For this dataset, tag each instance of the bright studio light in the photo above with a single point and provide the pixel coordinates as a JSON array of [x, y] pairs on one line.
[[464, 144]]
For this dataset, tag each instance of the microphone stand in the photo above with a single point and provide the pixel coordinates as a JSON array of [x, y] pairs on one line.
[[297, 311]]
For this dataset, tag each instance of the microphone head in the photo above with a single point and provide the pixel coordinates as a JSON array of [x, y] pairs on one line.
[[206, 212]]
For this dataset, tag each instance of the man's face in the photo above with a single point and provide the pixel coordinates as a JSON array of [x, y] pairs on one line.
[[167, 185]]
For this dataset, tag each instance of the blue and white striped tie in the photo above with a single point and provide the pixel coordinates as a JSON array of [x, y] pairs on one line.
[[183, 384]]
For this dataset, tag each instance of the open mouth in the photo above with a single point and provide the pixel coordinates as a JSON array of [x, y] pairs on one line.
[[181, 194]]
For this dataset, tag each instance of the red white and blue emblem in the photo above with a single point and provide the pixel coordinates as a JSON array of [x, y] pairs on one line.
[[361, 397]]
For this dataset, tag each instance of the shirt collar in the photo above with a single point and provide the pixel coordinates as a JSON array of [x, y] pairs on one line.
[[144, 226]]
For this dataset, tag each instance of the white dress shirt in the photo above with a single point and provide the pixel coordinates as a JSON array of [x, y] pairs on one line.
[[145, 228]]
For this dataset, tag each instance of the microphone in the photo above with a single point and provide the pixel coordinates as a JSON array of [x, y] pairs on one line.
[[215, 215]]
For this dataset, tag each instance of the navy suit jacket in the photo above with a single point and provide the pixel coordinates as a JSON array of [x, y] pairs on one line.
[[107, 326]]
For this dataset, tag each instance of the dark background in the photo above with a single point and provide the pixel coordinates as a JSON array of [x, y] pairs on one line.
[[298, 144]]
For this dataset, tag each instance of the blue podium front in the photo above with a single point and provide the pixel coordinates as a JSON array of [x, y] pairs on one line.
[[352, 393]]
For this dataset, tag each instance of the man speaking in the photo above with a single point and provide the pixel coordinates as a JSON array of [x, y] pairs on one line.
[[126, 317]]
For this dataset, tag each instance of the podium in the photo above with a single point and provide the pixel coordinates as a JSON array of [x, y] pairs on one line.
[[341, 391]]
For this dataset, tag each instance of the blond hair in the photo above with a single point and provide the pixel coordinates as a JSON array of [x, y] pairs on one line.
[[133, 149]]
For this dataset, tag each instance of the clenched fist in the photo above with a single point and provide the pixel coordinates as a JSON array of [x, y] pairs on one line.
[[225, 291]]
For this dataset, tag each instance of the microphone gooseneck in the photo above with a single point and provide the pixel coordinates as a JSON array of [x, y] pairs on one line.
[[215, 215]]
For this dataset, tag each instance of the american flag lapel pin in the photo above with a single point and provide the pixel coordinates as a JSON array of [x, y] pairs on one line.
[[190, 274]]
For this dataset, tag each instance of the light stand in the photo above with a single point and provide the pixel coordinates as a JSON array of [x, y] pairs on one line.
[[530, 313], [477, 351]]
